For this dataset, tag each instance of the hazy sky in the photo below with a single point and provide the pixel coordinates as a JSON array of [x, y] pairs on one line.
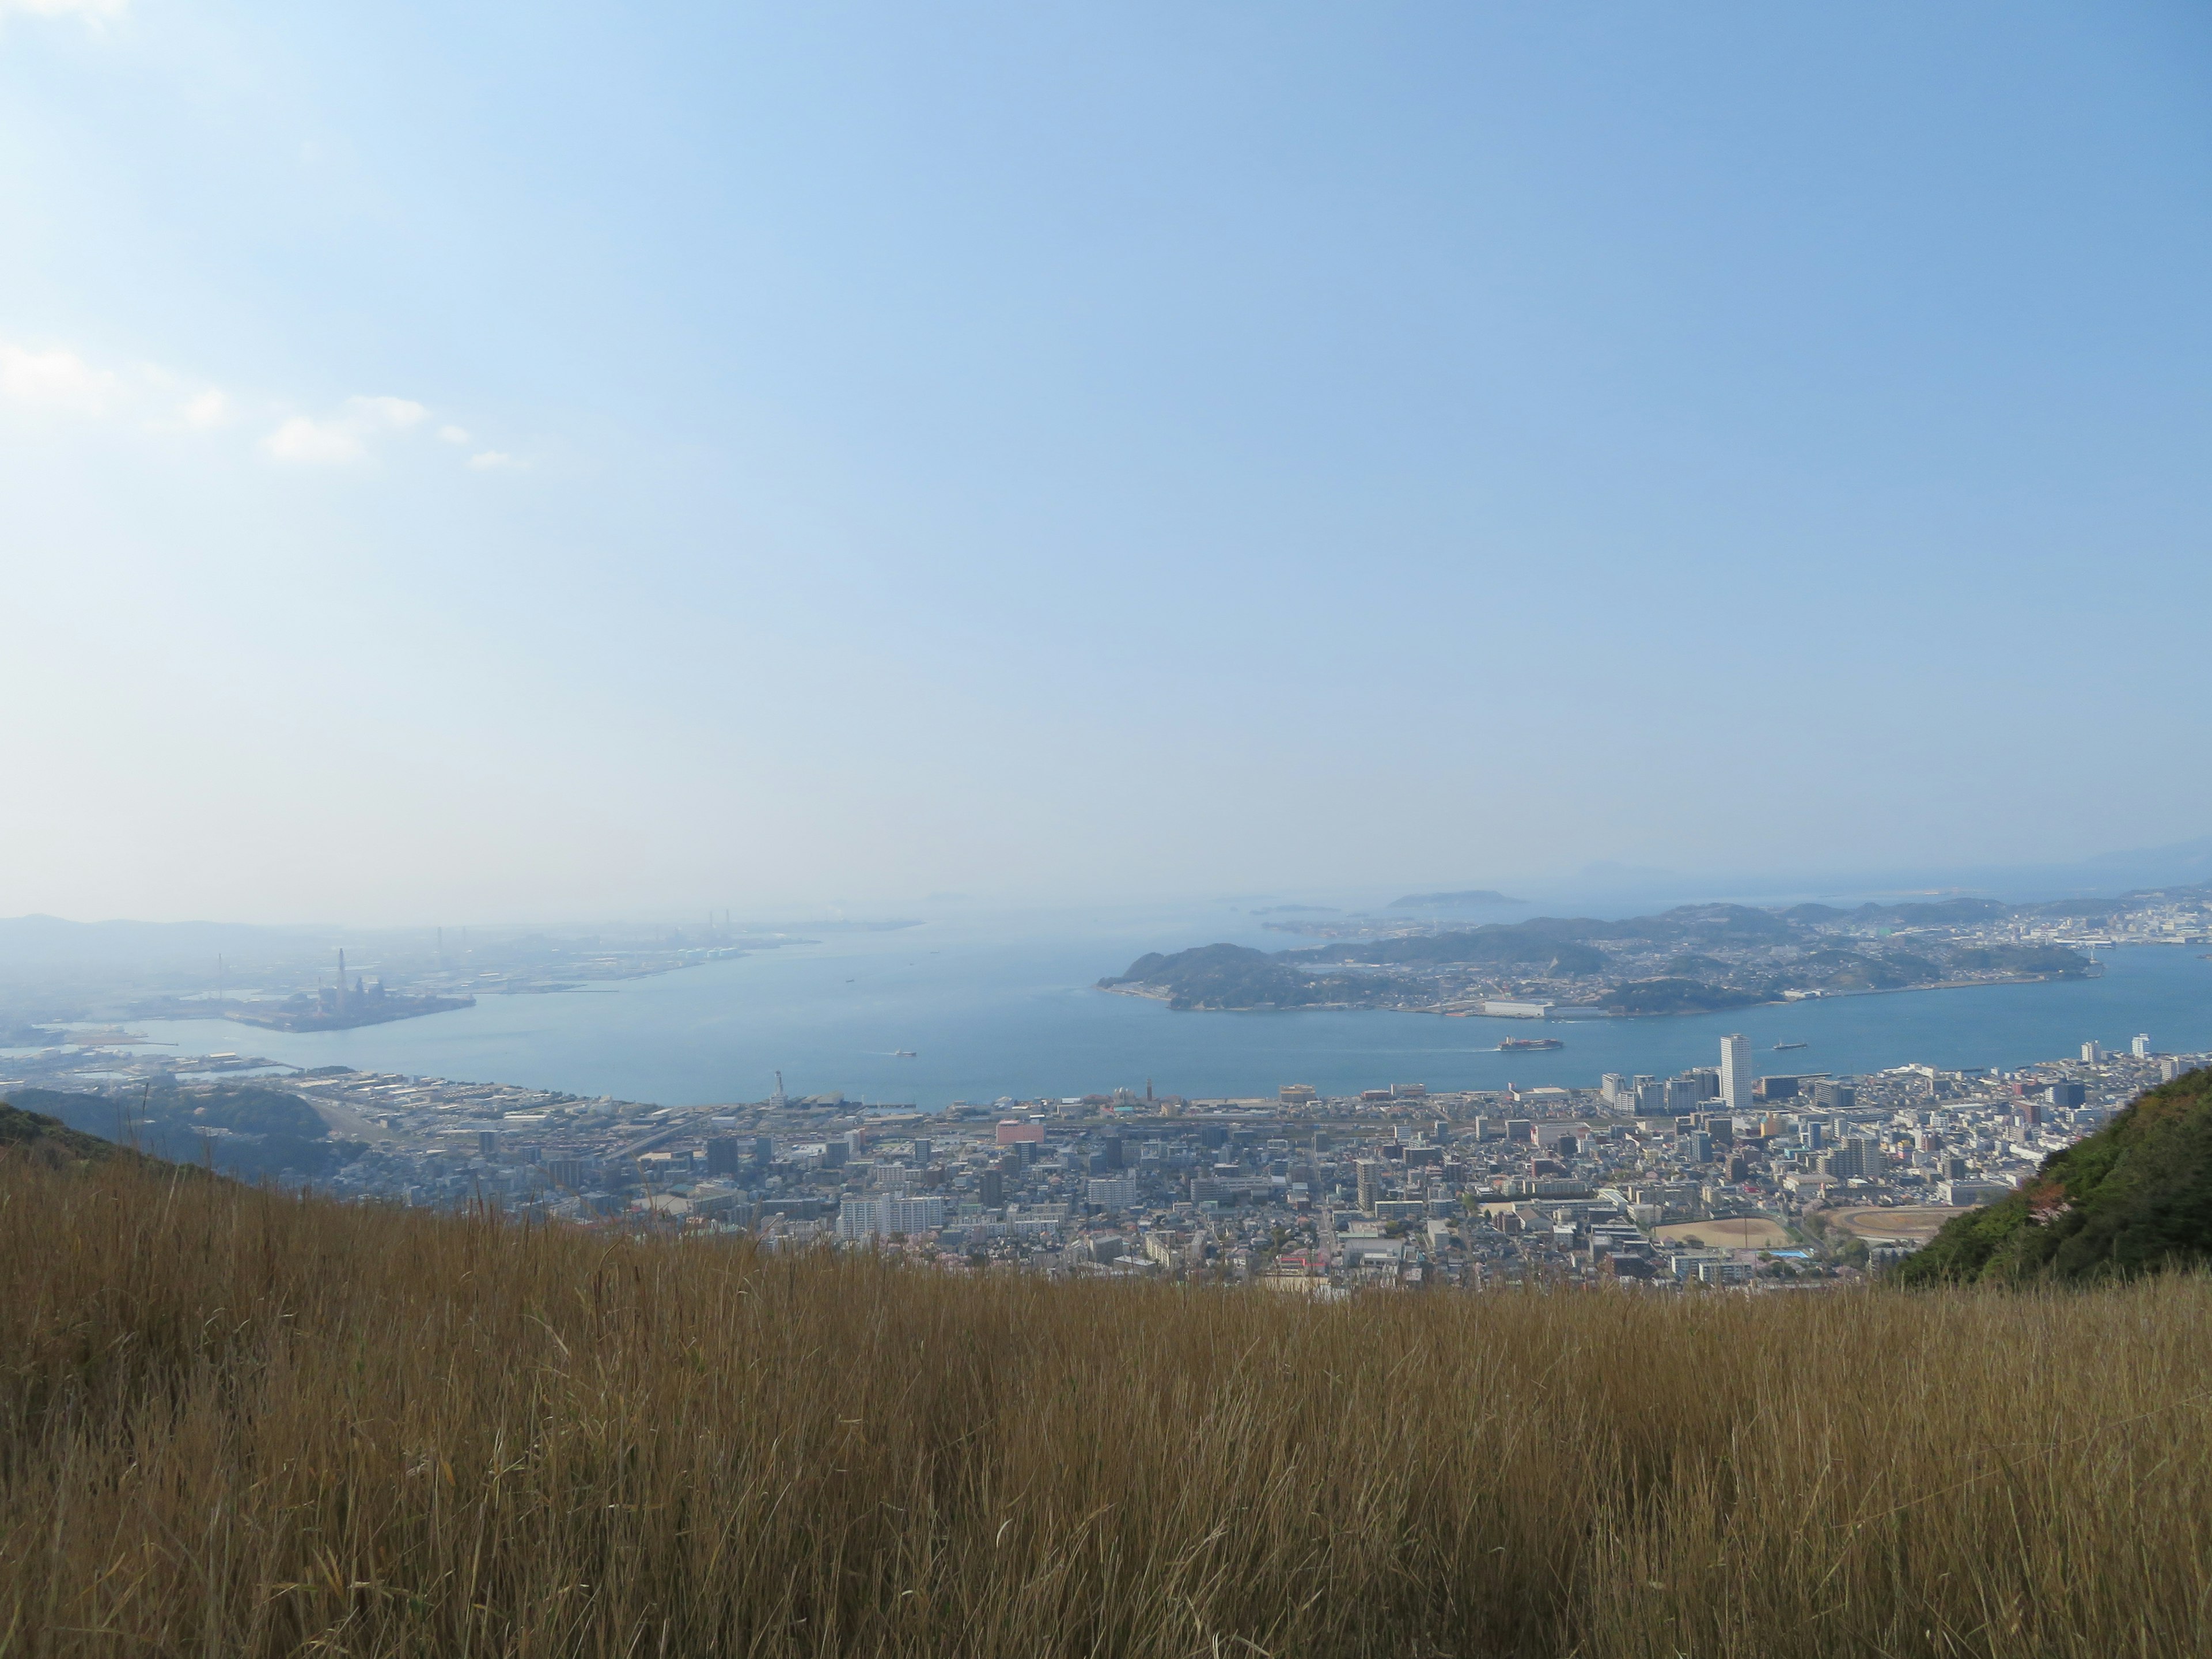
[[505, 460]]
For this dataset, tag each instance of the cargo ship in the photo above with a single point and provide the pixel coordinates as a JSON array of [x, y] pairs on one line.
[[1522, 1045], [1781, 1047]]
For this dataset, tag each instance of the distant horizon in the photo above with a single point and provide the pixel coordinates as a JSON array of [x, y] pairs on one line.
[[2105, 875]]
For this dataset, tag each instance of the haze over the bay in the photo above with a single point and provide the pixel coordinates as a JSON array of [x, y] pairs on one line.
[[496, 462]]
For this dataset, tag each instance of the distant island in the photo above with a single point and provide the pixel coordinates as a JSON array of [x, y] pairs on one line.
[[1695, 958], [1472, 899]]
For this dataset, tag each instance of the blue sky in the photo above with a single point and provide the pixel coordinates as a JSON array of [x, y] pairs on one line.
[[549, 460]]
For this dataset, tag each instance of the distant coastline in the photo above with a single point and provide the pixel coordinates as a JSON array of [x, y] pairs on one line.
[[1693, 959], [382, 1011], [1581, 1014], [993, 1017]]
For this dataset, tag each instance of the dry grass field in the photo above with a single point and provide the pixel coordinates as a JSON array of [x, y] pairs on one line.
[[1905, 1223], [236, 1424], [1750, 1232]]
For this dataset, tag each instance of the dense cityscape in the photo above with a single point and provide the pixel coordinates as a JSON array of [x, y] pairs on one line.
[[1721, 1174]]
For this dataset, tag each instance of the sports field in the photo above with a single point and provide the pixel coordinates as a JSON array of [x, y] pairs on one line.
[[1743, 1232], [1914, 1224]]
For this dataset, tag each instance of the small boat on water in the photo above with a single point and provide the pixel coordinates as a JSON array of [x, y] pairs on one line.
[[903, 1053], [1525, 1045], [1780, 1048]]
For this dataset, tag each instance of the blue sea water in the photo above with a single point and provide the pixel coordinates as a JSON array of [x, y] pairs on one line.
[[998, 1006]]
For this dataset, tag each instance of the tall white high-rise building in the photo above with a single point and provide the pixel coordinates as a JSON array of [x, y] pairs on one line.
[[2143, 1045], [892, 1213], [1735, 1072], [2092, 1054]]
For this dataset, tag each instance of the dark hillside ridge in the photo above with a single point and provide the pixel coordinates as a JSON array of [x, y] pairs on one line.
[[1222, 976], [2133, 1197], [1676, 995], [244, 1129], [1521, 943], [35, 1138]]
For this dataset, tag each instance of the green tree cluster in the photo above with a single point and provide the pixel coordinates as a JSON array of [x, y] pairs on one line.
[[2134, 1197]]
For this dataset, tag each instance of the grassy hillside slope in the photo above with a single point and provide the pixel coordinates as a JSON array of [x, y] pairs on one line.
[[244, 1129], [2133, 1197], [34, 1138], [241, 1424]]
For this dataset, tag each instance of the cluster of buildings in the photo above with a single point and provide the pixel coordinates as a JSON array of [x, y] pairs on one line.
[[1717, 1174]]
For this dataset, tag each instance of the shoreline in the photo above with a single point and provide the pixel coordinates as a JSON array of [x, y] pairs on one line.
[[1153, 993]]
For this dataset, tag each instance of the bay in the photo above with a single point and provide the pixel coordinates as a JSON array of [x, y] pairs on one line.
[[997, 1005]]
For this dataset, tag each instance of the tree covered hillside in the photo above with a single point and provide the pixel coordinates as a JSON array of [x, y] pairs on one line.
[[2133, 1197], [1232, 976], [1694, 958]]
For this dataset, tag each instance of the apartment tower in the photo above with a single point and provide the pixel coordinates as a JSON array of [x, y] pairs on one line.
[[1735, 1072]]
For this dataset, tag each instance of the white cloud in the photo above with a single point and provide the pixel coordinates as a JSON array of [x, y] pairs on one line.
[[344, 436], [54, 379], [58, 382], [210, 409], [314, 442], [396, 413]]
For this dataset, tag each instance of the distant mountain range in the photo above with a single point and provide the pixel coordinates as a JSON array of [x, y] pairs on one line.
[[1613, 887]]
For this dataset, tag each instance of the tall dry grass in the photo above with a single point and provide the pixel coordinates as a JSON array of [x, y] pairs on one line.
[[233, 1423]]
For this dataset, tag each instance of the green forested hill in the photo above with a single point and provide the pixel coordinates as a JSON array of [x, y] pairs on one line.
[[1232, 976], [2133, 1197]]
